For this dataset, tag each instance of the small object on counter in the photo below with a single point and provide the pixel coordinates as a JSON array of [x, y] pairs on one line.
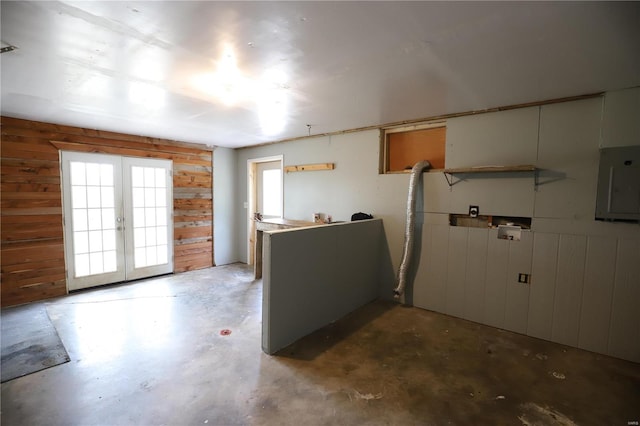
[[257, 216], [360, 216]]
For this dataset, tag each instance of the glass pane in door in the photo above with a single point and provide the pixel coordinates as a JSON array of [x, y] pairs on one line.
[[272, 192], [149, 202], [94, 218], [268, 187]]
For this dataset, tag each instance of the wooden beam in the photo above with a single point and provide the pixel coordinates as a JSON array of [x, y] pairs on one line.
[[310, 167]]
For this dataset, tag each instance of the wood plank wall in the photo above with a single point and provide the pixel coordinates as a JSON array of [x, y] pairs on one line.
[[32, 251]]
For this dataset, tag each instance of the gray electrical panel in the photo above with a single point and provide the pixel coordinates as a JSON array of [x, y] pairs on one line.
[[619, 184]]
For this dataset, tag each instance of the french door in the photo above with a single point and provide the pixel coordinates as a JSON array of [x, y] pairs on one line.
[[117, 218]]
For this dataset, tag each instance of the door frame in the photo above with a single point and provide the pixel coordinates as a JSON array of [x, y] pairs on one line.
[[252, 196], [126, 270]]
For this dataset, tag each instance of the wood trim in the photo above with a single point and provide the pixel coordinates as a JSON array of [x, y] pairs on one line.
[[79, 132], [432, 118], [309, 167]]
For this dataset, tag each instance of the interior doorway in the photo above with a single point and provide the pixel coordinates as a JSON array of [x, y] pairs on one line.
[[118, 223], [266, 183]]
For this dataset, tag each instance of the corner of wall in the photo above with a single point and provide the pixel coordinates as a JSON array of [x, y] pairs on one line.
[[225, 223]]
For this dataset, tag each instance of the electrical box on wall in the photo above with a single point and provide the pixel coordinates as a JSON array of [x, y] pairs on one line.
[[619, 184]]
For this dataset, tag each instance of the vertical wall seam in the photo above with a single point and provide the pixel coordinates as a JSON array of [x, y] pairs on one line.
[[466, 276], [613, 296], [529, 285], [538, 135], [532, 268], [537, 172], [446, 272], [555, 286], [601, 133], [506, 285], [484, 278], [584, 276], [213, 205]]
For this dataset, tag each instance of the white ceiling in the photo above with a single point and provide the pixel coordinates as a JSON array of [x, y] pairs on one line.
[[148, 68]]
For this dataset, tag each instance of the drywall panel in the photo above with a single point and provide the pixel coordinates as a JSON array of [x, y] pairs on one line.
[[436, 219], [476, 272], [496, 281], [504, 138], [592, 227], [456, 266], [431, 278], [568, 158], [225, 225], [313, 276], [569, 285], [358, 274], [624, 334], [423, 284], [543, 284], [504, 194], [620, 121], [597, 294], [517, 294], [437, 194]]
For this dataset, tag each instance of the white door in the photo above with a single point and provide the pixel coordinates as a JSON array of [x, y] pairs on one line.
[[117, 216], [269, 189], [265, 194]]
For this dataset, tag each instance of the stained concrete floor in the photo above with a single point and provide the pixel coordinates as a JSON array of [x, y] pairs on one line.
[[152, 353]]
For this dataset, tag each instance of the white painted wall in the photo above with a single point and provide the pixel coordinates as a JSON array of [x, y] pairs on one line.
[[621, 118], [225, 242], [585, 273], [353, 186]]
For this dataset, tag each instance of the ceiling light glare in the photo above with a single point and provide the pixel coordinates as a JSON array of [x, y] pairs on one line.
[[272, 101], [227, 83]]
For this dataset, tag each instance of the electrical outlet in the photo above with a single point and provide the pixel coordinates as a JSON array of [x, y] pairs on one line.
[[523, 278], [474, 211]]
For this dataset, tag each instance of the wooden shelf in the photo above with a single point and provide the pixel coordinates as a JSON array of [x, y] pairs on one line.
[[490, 169], [310, 167]]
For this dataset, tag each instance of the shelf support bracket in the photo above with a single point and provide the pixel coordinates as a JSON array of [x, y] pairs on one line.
[[449, 179]]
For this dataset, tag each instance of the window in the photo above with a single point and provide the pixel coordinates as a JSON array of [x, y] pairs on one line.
[[403, 147]]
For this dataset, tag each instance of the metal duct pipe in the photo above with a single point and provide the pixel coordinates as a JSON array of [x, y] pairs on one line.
[[416, 172]]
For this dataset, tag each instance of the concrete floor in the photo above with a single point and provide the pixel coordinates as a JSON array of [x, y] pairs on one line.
[[151, 353]]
